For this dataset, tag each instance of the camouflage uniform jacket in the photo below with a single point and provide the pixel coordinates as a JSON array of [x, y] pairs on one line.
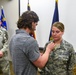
[[3, 43], [61, 60]]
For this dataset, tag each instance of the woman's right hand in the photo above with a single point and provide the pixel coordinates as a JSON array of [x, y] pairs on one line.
[[1, 54]]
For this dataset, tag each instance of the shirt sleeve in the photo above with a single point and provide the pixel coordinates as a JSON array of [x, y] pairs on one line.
[[32, 49], [71, 62]]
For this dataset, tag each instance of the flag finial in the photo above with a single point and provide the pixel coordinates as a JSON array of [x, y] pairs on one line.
[[1, 6], [28, 6], [56, 0], [28, 1]]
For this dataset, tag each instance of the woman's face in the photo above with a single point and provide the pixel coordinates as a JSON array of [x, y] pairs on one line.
[[56, 33]]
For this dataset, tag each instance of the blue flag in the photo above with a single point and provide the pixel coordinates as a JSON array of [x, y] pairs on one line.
[[3, 20], [55, 18]]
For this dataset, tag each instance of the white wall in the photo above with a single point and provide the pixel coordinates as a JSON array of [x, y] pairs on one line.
[[11, 11], [68, 17], [45, 10]]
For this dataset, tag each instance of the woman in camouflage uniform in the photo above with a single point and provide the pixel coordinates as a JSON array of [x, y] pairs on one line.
[[62, 59], [4, 62]]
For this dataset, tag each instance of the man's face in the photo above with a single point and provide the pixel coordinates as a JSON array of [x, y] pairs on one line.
[[34, 24]]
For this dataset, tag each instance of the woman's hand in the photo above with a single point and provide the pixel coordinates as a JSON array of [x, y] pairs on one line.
[[1, 53]]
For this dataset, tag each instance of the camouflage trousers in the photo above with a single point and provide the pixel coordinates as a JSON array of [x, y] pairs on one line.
[[5, 67]]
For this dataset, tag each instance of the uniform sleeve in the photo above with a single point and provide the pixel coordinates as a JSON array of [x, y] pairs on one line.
[[71, 62], [5, 42]]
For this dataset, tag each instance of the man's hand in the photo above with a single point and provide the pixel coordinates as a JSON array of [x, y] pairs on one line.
[[1, 53], [50, 46]]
